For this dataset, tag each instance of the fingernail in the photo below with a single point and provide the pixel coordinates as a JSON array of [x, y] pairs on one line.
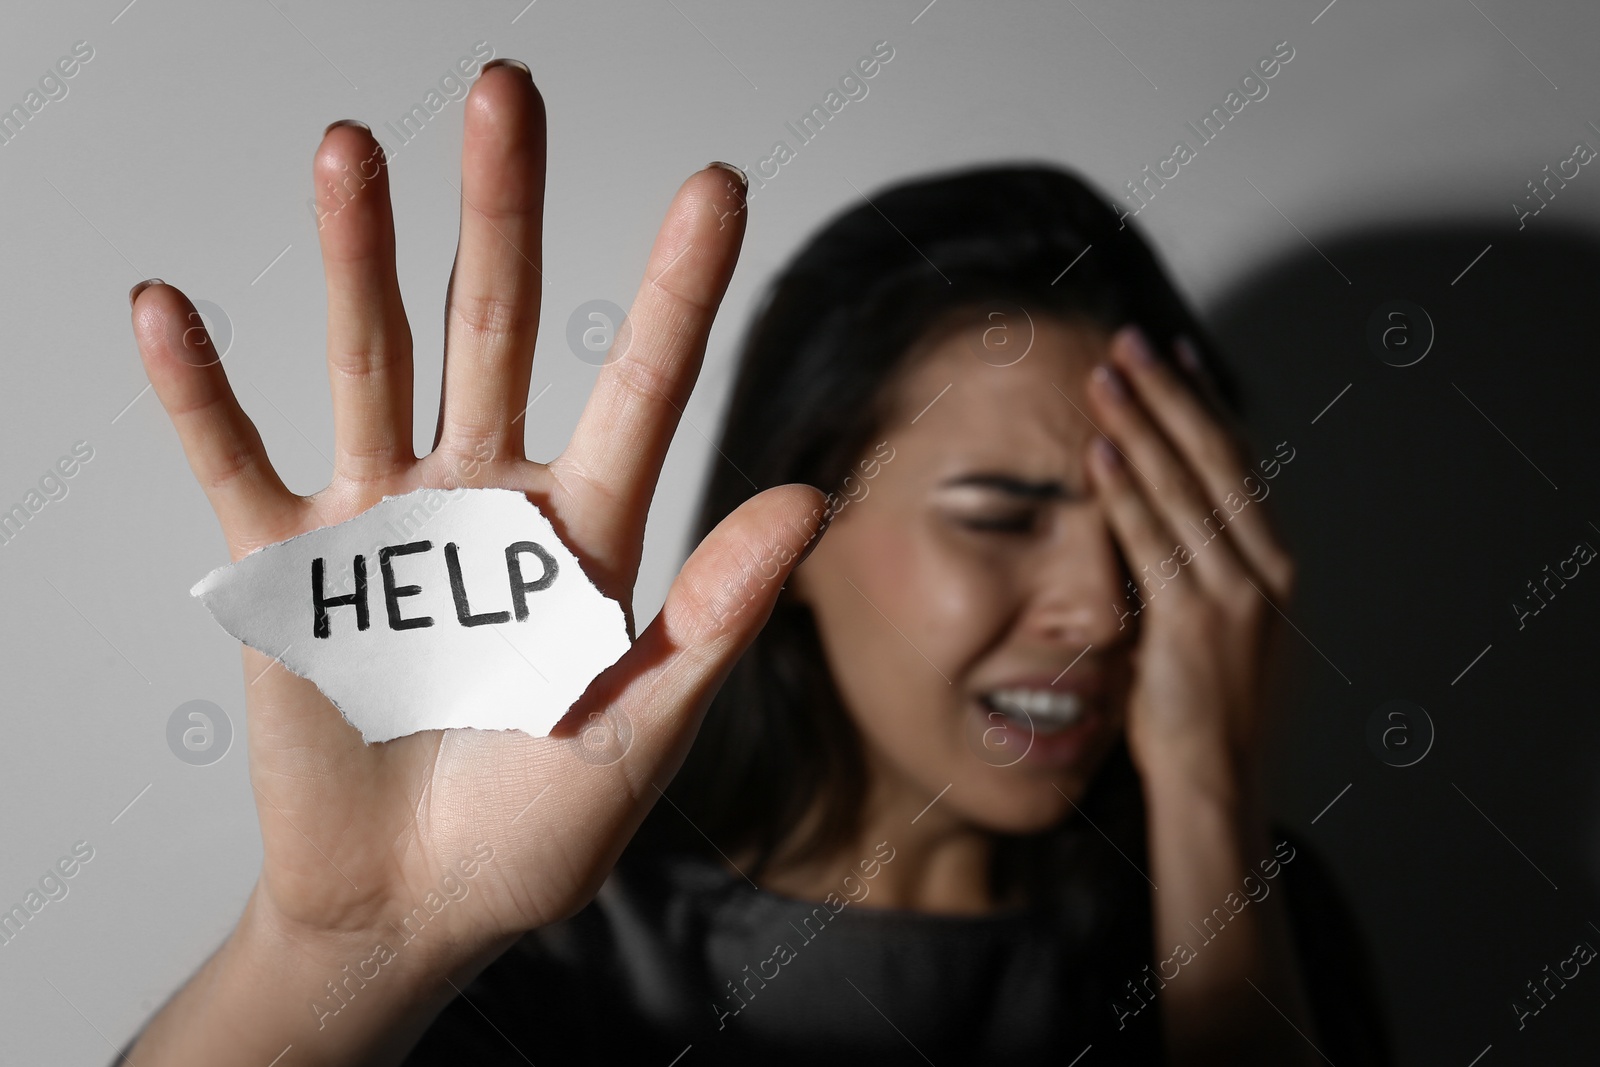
[[133, 294], [821, 528], [1139, 348], [811, 544], [346, 122], [1188, 354], [517, 63], [744, 182], [827, 520], [1107, 452], [1107, 376]]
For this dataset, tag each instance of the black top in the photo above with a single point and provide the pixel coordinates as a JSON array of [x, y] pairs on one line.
[[680, 957]]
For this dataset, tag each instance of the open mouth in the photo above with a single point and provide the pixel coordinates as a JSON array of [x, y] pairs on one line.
[[1040, 710]]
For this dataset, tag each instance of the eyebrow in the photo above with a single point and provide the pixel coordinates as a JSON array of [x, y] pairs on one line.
[[1012, 486]]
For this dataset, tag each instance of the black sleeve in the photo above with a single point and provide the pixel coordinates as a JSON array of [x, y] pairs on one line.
[[482, 1026], [565, 993], [1335, 966]]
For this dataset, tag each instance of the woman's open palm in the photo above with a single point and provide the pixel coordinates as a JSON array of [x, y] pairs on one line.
[[356, 834]]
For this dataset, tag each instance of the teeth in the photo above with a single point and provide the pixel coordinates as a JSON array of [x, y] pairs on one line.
[[1044, 706]]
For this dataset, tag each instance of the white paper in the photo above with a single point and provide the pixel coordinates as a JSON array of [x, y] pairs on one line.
[[493, 672]]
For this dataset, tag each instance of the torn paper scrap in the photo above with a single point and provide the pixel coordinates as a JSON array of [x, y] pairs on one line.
[[437, 609]]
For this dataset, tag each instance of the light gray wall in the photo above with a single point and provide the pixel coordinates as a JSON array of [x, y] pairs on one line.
[[182, 150]]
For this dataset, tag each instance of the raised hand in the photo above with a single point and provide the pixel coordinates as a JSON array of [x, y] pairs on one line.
[[1179, 499], [356, 836], [1181, 504]]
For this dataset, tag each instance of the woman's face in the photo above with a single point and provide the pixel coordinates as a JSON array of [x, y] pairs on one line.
[[969, 595]]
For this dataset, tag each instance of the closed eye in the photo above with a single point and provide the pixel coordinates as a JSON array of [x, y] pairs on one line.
[[1005, 524], [1001, 503]]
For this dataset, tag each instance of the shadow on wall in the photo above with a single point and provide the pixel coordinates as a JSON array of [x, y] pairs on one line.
[[1444, 506]]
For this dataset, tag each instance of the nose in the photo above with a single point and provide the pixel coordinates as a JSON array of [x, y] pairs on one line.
[[1076, 586]]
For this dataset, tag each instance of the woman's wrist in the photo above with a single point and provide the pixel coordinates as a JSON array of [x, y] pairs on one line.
[[1201, 799], [369, 993], [1176, 772], [1208, 839], [357, 996]]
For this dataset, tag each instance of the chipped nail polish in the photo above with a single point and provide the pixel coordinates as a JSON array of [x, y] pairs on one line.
[[1139, 348], [1188, 355], [744, 181], [1107, 376], [505, 62], [133, 294]]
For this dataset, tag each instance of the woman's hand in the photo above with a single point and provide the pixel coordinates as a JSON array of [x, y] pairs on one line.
[[355, 836], [1211, 573], [1213, 579]]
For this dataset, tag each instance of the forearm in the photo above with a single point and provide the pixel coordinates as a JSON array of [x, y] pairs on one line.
[[1232, 990], [269, 988]]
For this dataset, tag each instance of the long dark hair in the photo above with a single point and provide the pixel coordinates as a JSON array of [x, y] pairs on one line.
[[834, 328]]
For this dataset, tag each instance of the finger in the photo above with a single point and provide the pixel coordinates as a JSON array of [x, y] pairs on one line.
[[714, 609], [492, 313], [650, 703], [1177, 499], [369, 340], [1212, 451], [1154, 557], [621, 440], [1199, 378], [222, 444]]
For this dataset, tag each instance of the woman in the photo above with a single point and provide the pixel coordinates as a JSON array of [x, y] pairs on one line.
[[994, 751]]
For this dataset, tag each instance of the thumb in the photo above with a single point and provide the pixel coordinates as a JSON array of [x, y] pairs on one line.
[[726, 589], [716, 606]]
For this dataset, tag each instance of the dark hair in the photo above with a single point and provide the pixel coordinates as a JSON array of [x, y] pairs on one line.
[[833, 330]]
